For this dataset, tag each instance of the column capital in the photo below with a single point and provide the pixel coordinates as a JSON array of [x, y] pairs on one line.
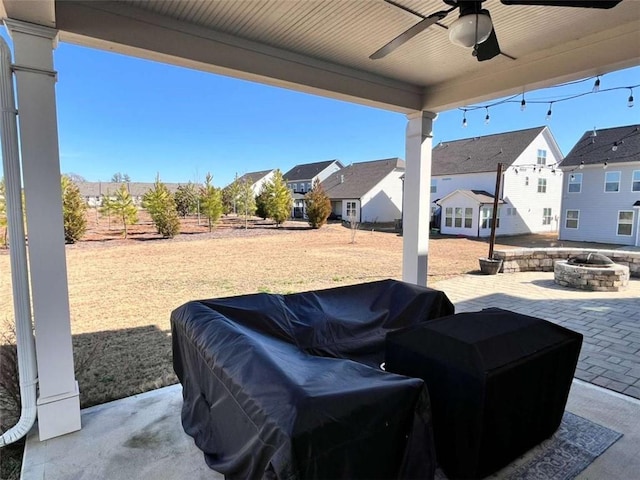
[[18, 26], [422, 114]]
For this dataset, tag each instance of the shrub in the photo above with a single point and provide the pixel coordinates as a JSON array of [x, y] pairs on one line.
[[318, 205], [74, 211]]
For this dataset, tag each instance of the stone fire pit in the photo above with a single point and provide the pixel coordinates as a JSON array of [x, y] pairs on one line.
[[591, 271]]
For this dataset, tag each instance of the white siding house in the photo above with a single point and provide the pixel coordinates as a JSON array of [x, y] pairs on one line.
[[367, 191], [257, 179], [300, 180], [601, 191], [531, 183]]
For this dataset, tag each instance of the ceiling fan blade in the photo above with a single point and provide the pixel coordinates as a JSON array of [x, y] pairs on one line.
[[566, 3], [409, 34], [489, 48]]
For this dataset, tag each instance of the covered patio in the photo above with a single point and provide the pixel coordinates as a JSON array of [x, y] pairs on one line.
[[316, 47]]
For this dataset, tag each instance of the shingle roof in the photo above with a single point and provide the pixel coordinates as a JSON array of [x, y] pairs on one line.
[[480, 196], [598, 149], [307, 171], [253, 177], [137, 189], [358, 178], [481, 154]]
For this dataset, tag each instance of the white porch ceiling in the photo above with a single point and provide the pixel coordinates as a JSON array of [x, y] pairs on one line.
[[323, 46]]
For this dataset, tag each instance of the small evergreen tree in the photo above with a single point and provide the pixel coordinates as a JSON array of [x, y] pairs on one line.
[[318, 205], [74, 211], [210, 201], [186, 198], [105, 207], [246, 202], [279, 199], [160, 204], [230, 195], [261, 203], [123, 208]]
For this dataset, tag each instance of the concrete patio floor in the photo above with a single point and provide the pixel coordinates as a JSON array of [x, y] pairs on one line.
[[141, 437]]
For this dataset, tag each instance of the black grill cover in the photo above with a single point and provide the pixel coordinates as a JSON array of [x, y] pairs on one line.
[[289, 387], [498, 383]]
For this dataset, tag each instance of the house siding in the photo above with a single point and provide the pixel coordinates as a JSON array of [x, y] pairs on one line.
[[460, 200], [598, 219], [383, 203]]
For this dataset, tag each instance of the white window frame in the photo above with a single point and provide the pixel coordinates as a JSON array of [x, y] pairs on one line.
[[577, 180], [567, 219], [607, 174], [448, 217], [635, 179], [547, 219], [630, 222], [351, 210], [434, 185], [541, 158], [526, 181], [542, 185], [468, 217], [485, 218]]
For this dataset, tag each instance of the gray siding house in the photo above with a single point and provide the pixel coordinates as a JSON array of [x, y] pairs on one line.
[[601, 189], [300, 180]]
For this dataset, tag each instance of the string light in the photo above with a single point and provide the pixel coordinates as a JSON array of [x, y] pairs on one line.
[[549, 112], [616, 145], [594, 133], [487, 119], [523, 104], [630, 100], [464, 119], [596, 85], [581, 164], [605, 165]]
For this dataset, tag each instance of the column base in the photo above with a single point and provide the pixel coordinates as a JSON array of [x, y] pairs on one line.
[[59, 415]]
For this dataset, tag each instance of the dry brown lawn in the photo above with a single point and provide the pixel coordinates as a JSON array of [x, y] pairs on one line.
[[122, 291]]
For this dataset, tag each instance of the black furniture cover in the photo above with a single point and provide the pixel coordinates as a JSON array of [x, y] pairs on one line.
[[498, 383], [289, 386]]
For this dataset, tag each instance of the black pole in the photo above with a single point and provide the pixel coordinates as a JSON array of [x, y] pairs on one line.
[[494, 219]]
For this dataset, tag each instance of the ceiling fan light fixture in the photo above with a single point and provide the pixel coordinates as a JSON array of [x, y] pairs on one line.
[[470, 30]]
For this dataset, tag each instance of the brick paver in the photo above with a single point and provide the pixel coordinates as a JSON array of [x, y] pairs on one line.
[[609, 321]]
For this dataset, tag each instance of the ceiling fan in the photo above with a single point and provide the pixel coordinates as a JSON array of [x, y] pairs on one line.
[[474, 28]]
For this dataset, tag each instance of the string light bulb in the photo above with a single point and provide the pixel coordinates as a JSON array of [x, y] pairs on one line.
[[464, 119], [630, 99], [523, 103], [605, 165], [581, 164], [596, 85], [549, 112], [487, 119]]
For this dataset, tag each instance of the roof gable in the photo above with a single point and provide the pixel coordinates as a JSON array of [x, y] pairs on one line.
[[599, 148], [481, 154], [357, 179], [308, 171], [253, 177]]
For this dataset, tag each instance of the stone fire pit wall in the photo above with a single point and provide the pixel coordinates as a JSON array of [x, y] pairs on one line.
[[543, 259]]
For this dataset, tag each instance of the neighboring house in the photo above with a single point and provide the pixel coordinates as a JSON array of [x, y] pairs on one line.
[[257, 179], [300, 180], [93, 192], [463, 182], [601, 191], [367, 191]]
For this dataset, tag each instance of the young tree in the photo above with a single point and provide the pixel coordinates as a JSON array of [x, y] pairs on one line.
[[3, 215], [120, 178], [122, 206], [246, 202], [210, 201], [160, 204], [74, 210], [105, 207], [318, 205], [261, 203], [186, 198], [230, 195], [279, 199]]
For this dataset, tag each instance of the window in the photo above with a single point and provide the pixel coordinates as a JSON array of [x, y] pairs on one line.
[[485, 217], [635, 182], [434, 185], [542, 185], [572, 219], [308, 187], [575, 183], [294, 186], [448, 217], [457, 218], [546, 216], [542, 157], [625, 223], [526, 181], [612, 182], [351, 210], [468, 217]]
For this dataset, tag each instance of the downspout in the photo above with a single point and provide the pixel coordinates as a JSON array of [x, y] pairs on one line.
[[17, 252]]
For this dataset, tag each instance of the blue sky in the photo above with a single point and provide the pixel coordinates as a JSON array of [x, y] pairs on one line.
[[122, 114]]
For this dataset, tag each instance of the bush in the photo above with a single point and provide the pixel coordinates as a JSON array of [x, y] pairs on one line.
[[73, 211], [318, 205], [161, 205]]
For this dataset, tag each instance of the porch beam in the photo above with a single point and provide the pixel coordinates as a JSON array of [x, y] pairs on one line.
[[415, 218], [58, 401]]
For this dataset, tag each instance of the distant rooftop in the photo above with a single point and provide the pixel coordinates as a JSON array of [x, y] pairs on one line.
[[307, 171], [611, 145], [358, 178]]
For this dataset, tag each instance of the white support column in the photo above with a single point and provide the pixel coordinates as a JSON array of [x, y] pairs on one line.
[[58, 400], [416, 211]]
